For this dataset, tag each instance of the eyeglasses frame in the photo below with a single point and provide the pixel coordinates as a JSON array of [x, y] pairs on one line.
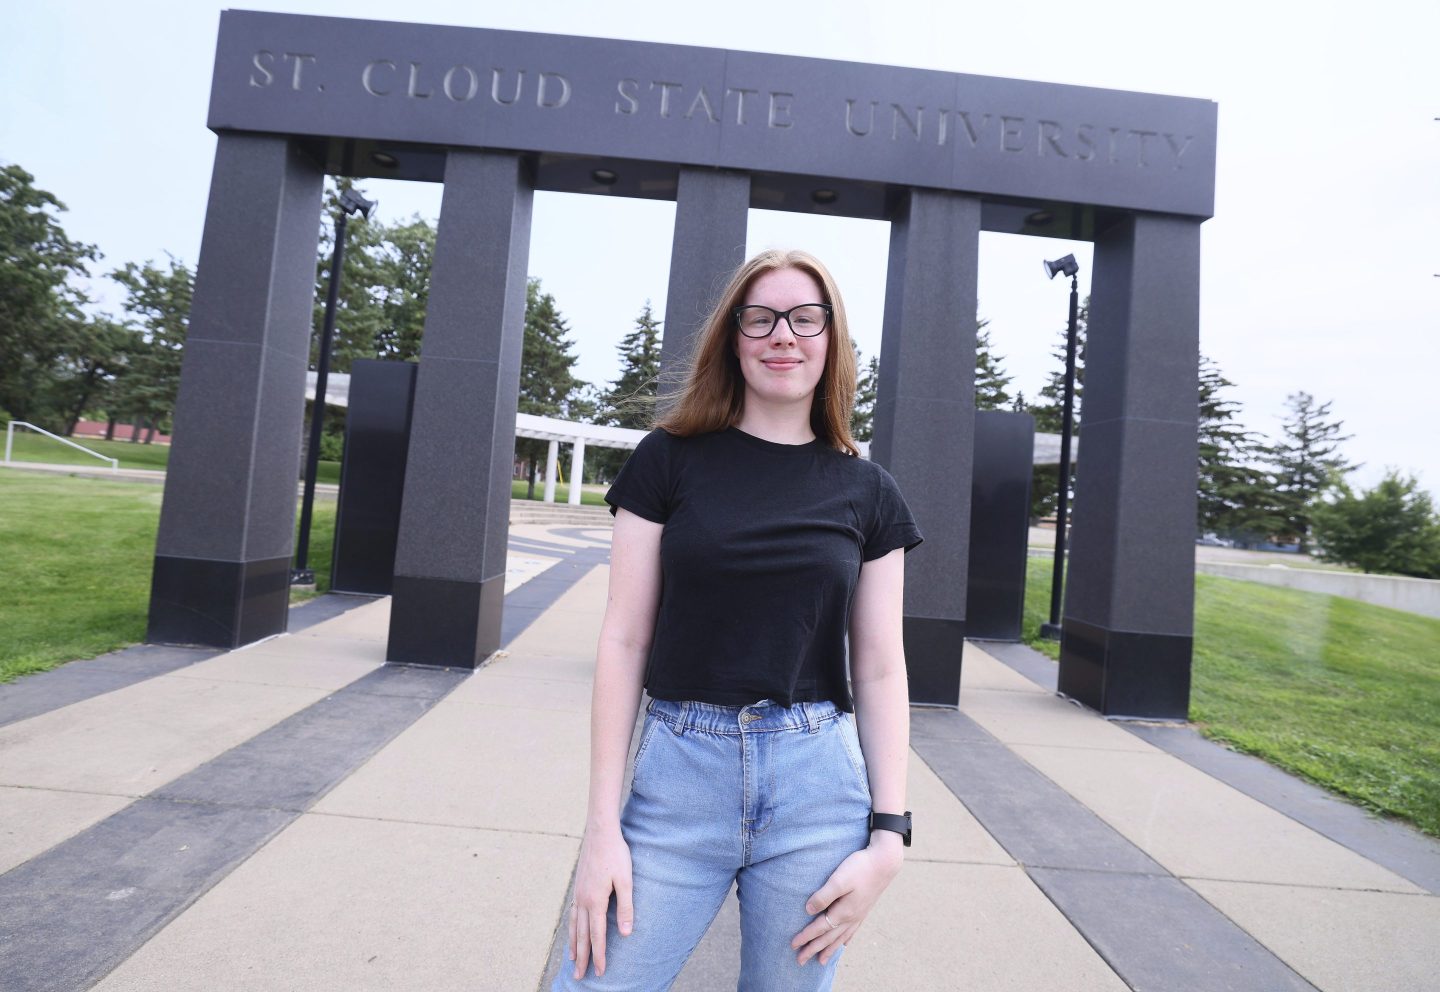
[[785, 316]]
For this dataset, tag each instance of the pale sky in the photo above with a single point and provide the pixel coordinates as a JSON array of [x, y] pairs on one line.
[[1318, 269]]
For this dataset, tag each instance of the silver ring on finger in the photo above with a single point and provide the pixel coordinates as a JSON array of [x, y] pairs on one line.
[[828, 921]]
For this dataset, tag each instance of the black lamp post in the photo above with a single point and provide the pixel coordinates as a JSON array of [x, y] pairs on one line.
[[1070, 267], [351, 202]]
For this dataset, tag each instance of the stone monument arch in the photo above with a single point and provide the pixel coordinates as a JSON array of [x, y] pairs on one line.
[[496, 115]]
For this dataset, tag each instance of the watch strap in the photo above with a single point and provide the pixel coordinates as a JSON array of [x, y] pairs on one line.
[[892, 821]]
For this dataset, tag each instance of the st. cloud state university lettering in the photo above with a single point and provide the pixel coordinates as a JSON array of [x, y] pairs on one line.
[[874, 119]]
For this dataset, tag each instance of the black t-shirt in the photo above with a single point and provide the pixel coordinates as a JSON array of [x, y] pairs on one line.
[[760, 556]]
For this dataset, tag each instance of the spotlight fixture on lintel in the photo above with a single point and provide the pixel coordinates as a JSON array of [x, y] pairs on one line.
[[824, 197], [604, 177], [1040, 218], [1067, 265], [353, 203], [384, 159]]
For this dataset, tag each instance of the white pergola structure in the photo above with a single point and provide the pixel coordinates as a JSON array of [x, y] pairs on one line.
[[577, 435]]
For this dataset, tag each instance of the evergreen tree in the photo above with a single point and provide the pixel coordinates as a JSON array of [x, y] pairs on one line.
[[1305, 463], [584, 405], [41, 325], [1236, 498], [158, 300], [1392, 528], [630, 400], [990, 379], [546, 381], [862, 419], [990, 383]]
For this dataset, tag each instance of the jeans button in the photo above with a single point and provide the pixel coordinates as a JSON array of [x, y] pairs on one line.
[[749, 717]]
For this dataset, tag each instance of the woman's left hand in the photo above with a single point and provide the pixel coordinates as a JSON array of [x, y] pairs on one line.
[[847, 897]]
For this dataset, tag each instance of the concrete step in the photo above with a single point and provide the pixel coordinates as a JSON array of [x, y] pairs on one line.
[[523, 511]]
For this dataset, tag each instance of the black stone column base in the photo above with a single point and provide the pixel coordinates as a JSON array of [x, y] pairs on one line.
[[1124, 673], [444, 623], [933, 648], [221, 604]]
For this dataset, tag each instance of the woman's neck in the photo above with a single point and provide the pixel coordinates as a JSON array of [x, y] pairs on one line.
[[787, 425]]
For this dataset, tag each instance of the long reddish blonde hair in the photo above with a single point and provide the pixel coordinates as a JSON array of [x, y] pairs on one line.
[[713, 395]]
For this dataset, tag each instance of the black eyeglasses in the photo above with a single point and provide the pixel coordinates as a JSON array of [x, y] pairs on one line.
[[806, 320]]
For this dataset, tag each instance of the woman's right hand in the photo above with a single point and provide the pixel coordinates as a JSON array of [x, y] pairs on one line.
[[604, 867]]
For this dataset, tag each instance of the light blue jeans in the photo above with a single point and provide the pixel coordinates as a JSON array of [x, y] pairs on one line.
[[769, 797]]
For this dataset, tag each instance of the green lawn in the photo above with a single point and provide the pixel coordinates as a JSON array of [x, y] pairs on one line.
[[76, 554], [589, 496], [1338, 691]]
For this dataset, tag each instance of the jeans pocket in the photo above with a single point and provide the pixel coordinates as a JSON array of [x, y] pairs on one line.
[[850, 737], [647, 734]]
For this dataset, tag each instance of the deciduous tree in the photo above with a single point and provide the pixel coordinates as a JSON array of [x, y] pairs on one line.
[[1392, 528], [40, 315], [158, 304]]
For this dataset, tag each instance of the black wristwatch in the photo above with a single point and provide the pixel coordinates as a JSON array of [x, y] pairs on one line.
[[892, 821]]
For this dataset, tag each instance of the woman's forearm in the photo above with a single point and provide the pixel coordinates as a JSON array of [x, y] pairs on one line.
[[620, 654], [882, 707], [614, 702]]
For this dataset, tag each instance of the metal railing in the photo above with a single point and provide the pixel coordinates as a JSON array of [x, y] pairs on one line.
[[10, 442]]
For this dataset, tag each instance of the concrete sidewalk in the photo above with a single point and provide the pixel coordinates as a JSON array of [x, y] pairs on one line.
[[297, 815]]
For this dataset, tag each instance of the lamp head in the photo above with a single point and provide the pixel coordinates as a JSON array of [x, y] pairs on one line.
[[353, 203], [1067, 265]]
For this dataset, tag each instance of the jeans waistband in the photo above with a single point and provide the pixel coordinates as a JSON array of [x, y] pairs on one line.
[[755, 718]]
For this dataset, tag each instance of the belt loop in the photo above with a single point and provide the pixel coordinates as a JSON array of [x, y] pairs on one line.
[[811, 719], [684, 719]]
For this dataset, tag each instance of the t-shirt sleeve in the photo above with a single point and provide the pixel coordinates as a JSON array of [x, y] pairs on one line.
[[892, 524], [643, 485]]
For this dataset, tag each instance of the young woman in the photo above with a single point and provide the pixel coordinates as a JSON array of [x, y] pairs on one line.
[[749, 540]]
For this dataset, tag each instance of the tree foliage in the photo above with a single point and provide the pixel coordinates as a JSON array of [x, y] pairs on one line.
[[1305, 462], [385, 287], [1392, 528], [1235, 495], [158, 304], [546, 380], [867, 382], [42, 329], [629, 401], [547, 384], [100, 354], [990, 378]]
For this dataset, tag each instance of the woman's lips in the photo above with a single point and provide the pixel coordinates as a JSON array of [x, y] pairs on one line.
[[780, 363]]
